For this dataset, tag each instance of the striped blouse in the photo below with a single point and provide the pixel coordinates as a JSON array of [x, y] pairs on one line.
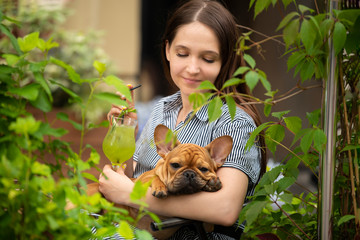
[[199, 131]]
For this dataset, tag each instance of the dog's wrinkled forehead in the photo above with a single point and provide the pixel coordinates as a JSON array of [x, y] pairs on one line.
[[190, 152]]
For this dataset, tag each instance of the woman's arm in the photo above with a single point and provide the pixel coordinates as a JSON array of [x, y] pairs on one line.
[[221, 207]]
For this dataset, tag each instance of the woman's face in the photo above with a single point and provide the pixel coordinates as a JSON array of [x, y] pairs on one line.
[[194, 57]]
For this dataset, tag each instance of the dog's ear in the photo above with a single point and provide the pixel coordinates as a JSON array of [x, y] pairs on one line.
[[219, 149], [165, 140]]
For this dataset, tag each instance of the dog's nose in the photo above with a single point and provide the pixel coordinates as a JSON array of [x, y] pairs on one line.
[[189, 174]]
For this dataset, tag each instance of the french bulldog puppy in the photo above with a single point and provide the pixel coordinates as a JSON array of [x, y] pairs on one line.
[[183, 169], [186, 168]]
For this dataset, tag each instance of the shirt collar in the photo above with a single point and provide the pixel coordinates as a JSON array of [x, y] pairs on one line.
[[174, 101]]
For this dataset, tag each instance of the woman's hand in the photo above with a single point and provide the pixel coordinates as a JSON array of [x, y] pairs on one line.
[[116, 110], [115, 186]]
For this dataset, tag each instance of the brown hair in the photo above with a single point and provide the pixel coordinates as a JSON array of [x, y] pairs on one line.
[[222, 22]]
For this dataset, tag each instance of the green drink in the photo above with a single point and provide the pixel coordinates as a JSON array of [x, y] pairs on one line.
[[119, 142]]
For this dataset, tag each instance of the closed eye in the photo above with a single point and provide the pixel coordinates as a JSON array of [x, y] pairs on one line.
[[209, 60], [203, 169], [181, 55]]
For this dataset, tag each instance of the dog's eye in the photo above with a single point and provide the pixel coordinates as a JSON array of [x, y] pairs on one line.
[[175, 165], [203, 169]]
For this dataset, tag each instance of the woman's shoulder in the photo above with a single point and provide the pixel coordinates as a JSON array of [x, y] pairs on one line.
[[239, 116]]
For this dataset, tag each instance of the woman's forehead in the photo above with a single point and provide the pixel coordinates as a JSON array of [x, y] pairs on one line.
[[196, 35]]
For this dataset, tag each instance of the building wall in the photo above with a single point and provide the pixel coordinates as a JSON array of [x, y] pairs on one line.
[[119, 20]]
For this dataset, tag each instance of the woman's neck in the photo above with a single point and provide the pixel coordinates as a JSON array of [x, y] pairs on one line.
[[185, 110]]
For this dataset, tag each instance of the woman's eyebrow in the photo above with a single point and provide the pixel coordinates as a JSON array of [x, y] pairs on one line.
[[215, 53]]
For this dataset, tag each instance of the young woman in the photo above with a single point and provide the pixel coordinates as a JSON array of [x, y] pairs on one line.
[[198, 45]]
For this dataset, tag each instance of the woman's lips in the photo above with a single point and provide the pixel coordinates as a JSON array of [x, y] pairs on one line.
[[192, 81]]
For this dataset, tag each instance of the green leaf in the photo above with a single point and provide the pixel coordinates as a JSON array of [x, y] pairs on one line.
[[53, 223], [207, 85], [267, 107], [38, 66], [307, 34], [279, 115], [286, 20], [28, 42], [231, 105], [304, 9], [275, 132], [294, 124], [111, 98], [100, 67], [251, 78], [46, 46], [74, 76], [274, 173], [263, 79], [41, 169], [12, 38], [284, 183], [170, 137], [345, 218], [306, 140], [50, 44], [139, 192], [197, 99], [291, 32], [260, 5], [232, 82], [125, 230], [254, 134], [94, 156], [307, 70], [45, 129], [326, 26], [11, 59], [254, 211], [286, 2], [314, 117], [40, 79], [42, 102], [249, 60], [353, 38], [143, 234], [119, 86], [339, 37], [350, 147], [295, 59], [319, 140], [29, 92], [27, 125], [241, 70], [89, 176], [214, 110], [270, 189], [287, 197], [293, 162], [76, 98], [64, 117]]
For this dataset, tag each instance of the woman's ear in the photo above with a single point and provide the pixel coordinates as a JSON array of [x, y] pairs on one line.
[[167, 49]]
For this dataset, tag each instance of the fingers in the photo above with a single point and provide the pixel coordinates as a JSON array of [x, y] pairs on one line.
[[116, 110], [108, 171]]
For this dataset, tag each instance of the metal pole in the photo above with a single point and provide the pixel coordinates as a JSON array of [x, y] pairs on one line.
[[327, 163]]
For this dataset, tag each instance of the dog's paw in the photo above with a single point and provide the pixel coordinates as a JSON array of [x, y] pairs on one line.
[[160, 194], [213, 185], [159, 190]]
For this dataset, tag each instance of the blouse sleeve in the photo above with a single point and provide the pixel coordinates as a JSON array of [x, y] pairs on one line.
[[247, 161]]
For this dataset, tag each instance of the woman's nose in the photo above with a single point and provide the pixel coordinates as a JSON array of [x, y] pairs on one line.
[[193, 66]]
